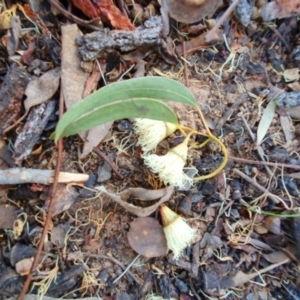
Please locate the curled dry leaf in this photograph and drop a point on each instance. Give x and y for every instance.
(146, 237)
(106, 10)
(142, 195)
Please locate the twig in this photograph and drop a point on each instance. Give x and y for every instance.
(194, 290)
(262, 163)
(211, 34)
(275, 198)
(50, 208)
(68, 15)
(286, 44)
(127, 268)
(117, 263)
(103, 156)
(24, 175)
(185, 65)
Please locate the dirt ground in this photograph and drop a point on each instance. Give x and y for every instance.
(105, 236)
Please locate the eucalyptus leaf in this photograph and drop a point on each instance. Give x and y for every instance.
(129, 108)
(265, 121)
(134, 98)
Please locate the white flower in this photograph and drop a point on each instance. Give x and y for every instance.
(170, 166)
(151, 132)
(178, 233)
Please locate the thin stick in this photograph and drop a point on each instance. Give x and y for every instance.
(262, 163)
(102, 155)
(50, 208)
(275, 198)
(116, 262)
(187, 83)
(226, 14)
(127, 268)
(68, 15)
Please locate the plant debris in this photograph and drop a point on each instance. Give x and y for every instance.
(150, 204)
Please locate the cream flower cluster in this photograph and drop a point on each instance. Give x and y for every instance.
(169, 166)
(152, 132)
(179, 234)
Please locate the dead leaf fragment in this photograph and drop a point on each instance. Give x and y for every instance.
(279, 9)
(273, 224)
(190, 11)
(146, 237)
(42, 88)
(73, 78)
(106, 10)
(11, 95)
(65, 196)
(8, 216)
(290, 75)
(58, 234)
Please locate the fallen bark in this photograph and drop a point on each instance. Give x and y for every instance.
(100, 43)
(11, 94)
(24, 175)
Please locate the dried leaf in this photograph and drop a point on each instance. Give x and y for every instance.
(290, 75)
(276, 257)
(265, 121)
(65, 197)
(20, 251)
(7, 216)
(272, 224)
(106, 10)
(190, 11)
(94, 137)
(73, 78)
(146, 237)
(142, 195)
(13, 35)
(42, 88)
(279, 9)
(58, 234)
(287, 127)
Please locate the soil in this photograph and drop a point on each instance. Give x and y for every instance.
(245, 219)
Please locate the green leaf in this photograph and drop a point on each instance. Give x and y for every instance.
(130, 108)
(265, 121)
(134, 98)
